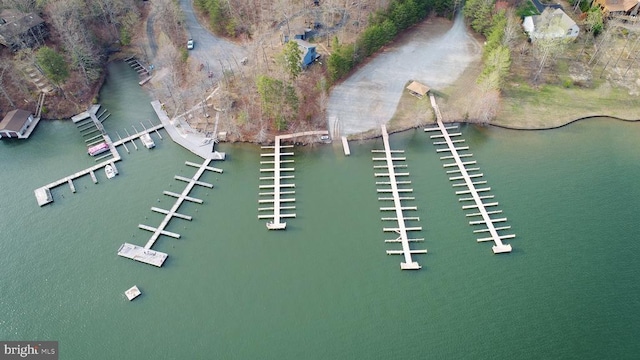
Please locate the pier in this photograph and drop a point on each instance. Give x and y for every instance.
(276, 197)
(395, 191)
(90, 125)
(469, 177)
(181, 133)
(345, 146)
(92, 121)
(142, 253)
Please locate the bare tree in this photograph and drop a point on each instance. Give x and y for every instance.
(512, 30)
(545, 51)
(68, 19)
(4, 66)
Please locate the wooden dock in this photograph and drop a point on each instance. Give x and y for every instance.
(180, 198)
(345, 146)
(275, 197)
(138, 253)
(90, 122)
(469, 177)
(394, 190)
(173, 212)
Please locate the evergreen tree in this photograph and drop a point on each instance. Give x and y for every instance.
(53, 64)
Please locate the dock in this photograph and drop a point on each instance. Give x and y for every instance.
(277, 197)
(391, 161)
(182, 135)
(138, 253)
(173, 211)
(132, 293)
(470, 179)
(90, 125)
(345, 146)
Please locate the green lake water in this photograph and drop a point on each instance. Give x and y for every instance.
(324, 288)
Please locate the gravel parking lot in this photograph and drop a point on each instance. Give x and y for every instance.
(434, 53)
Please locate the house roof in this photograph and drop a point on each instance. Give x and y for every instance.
(551, 23)
(304, 44)
(418, 88)
(16, 22)
(617, 5)
(14, 120)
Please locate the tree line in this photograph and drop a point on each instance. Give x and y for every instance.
(383, 27)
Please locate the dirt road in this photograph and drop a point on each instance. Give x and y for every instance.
(434, 53)
(213, 52)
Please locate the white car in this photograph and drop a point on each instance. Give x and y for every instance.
(190, 44)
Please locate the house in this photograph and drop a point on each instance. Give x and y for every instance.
(418, 90)
(618, 7)
(309, 54)
(17, 124)
(19, 30)
(551, 24)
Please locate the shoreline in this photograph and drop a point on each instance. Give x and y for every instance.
(361, 136)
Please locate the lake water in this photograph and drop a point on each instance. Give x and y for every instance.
(324, 288)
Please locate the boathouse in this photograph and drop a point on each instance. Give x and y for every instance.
(16, 124)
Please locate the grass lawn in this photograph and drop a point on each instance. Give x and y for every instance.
(524, 107)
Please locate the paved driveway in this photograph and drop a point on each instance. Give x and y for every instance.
(213, 52)
(370, 96)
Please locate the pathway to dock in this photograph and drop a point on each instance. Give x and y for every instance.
(182, 134)
(275, 197)
(397, 199)
(135, 254)
(91, 128)
(470, 177)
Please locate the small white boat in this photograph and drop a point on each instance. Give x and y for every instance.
(132, 293)
(110, 171)
(147, 141)
(273, 226)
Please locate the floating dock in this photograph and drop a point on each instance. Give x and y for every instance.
(277, 197)
(470, 177)
(394, 190)
(173, 212)
(138, 253)
(132, 293)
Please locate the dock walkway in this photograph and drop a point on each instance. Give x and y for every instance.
(169, 214)
(402, 229)
(469, 176)
(275, 197)
(181, 133)
(90, 122)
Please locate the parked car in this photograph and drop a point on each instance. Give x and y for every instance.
(190, 44)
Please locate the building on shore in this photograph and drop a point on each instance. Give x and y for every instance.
(551, 24)
(17, 124)
(21, 30)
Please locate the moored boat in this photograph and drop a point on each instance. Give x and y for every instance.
(110, 171)
(98, 149)
(147, 141)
